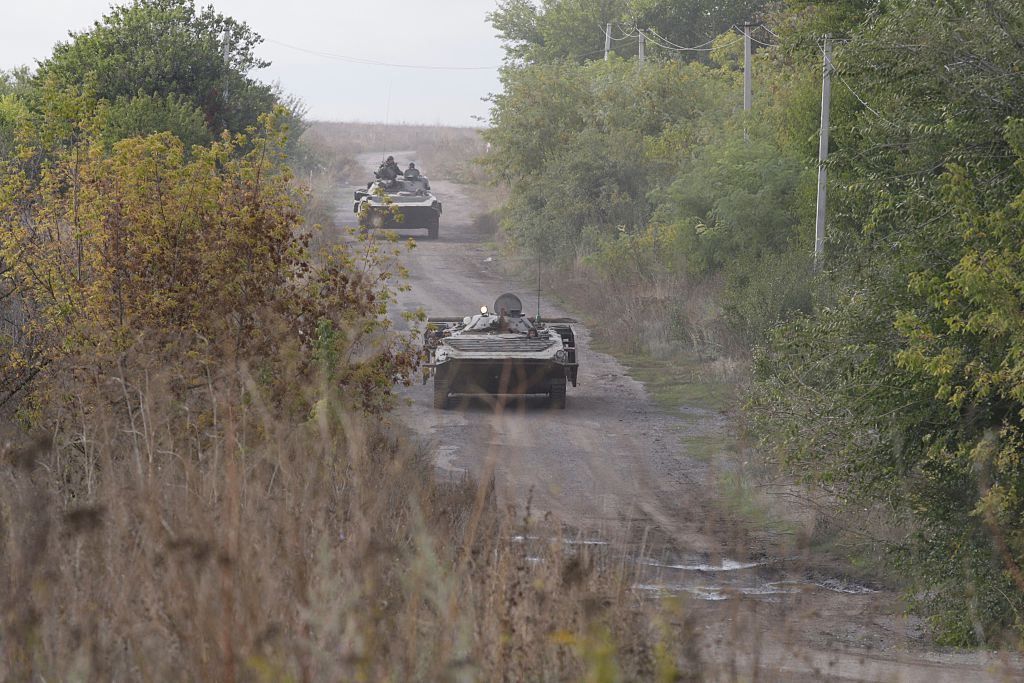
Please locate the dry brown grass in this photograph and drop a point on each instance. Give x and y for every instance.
(150, 537)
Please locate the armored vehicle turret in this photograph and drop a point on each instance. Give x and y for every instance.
(500, 352)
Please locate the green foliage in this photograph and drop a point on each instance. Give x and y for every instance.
(899, 389)
(144, 114)
(653, 175)
(167, 48)
(13, 115)
(17, 81)
(15, 86)
(760, 291)
(692, 22)
(967, 344)
(554, 30)
(583, 147)
(736, 196)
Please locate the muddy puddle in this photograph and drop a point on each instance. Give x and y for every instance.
(698, 576)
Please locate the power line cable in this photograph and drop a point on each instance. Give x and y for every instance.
(693, 49)
(374, 62)
(588, 54)
(679, 47)
(625, 36)
(831, 63)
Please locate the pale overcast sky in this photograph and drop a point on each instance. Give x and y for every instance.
(418, 32)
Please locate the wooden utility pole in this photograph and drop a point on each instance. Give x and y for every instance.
(748, 94)
(607, 40)
(826, 99)
(643, 41)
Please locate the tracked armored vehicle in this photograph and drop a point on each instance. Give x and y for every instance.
(501, 352)
(404, 204)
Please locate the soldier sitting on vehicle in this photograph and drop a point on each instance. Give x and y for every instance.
(389, 170)
(412, 172)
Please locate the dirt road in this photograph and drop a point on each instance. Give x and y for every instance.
(615, 467)
(602, 464)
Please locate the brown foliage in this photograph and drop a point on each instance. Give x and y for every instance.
(105, 250)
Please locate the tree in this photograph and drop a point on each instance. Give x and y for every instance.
(167, 48)
(144, 114)
(556, 29)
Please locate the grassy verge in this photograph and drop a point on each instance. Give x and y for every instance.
(678, 383)
(706, 406)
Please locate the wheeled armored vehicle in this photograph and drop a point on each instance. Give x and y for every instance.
(398, 204)
(501, 352)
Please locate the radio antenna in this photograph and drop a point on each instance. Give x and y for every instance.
(387, 122)
(538, 285)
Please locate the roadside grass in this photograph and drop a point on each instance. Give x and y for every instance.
(216, 539)
(706, 409)
(677, 383)
(745, 501)
(776, 515)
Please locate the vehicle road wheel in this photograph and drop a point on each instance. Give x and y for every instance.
(440, 393)
(433, 229)
(558, 394)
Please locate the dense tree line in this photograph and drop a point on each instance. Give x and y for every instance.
(892, 376)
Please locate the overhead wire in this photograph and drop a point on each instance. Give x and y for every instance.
(605, 32)
(659, 40)
(679, 47)
(830, 61)
(373, 62)
(632, 33)
(691, 49)
(831, 65)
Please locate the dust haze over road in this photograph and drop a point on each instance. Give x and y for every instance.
(613, 467)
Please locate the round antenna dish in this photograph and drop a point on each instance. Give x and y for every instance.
(509, 304)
